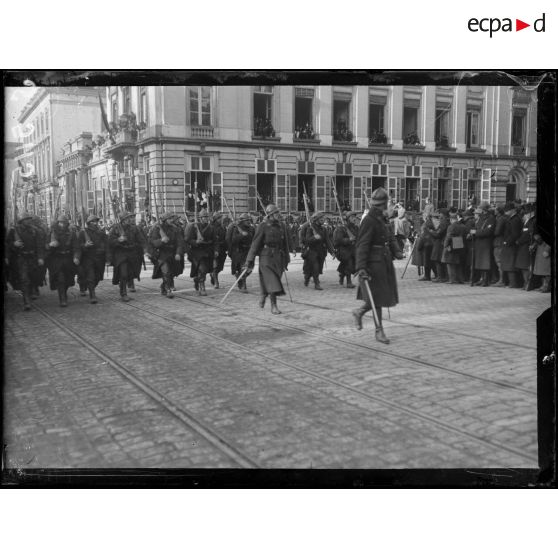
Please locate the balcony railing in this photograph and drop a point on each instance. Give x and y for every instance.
(204, 132)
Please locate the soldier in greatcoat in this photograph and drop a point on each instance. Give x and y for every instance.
(126, 244)
(219, 248)
(375, 249)
(482, 236)
(166, 248)
(39, 274)
(344, 242)
(25, 250)
(199, 238)
(93, 250)
(510, 236)
(271, 244)
(239, 239)
(63, 258)
(315, 247)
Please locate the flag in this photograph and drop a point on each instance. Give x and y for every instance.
(104, 116)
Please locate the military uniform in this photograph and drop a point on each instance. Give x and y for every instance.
(375, 249)
(26, 252)
(199, 241)
(126, 244)
(314, 250)
(344, 242)
(63, 258)
(271, 244)
(239, 239)
(93, 248)
(219, 249)
(166, 248)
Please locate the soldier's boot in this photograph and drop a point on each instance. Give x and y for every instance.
(92, 296)
(82, 290)
(164, 288)
(381, 336)
(513, 280)
(526, 277)
(216, 280)
(63, 296)
(306, 280)
(123, 294)
(26, 301)
(34, 292)
(341, 278)
(131, 286)
(263, 298)
(242, 286)
(202, 288)
(273, 300)
(350, 284)
(317, 285)
(196, 284)
(167, 281)
(485, 279)
(546, 285)
(212, 278)
(357, 315)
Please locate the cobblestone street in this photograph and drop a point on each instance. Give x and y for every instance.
(188, 383)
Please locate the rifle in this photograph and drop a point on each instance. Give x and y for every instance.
(307, 209)
(351, 235)
(234, 210)
(54, 221)
(117, 216)
(231, 215)
(261, 202)
(84, 220)
(366, 198)
(200, 236)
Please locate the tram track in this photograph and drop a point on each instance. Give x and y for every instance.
(186, 418)
(357, 345)
(330, 381)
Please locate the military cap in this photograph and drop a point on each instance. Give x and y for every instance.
(271, 209)
(167, 216)
(63, 219)
(92, 218)
(316, 216)
(509, 206)
(245, 217)
(379, 196)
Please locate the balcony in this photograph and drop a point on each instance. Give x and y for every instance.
(305, 134)
(263, 130)
(202, 132)
(442, 144)
(342, 135)
(412, 141)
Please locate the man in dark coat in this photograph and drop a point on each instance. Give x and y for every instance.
(93, 250)
(424, 247)
(454, 243)
(126, 243)
(239, 239)
(166, 249)
(344, 241)
(500, 218)
(199, 238)
(219, 248)
(438, 235)
(63, 258)
(375, 249)
(315, 248)
(26, 253)
(39, 275)
(511, 234)
(482, 235)
(271, 244)
(524, 259)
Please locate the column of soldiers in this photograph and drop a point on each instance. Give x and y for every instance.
(486, 246)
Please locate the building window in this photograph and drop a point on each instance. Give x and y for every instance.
(200, 106)
(304, 98)
(410, 125)
(126, 100)
(518, 130)
(114, 107)
(473, 127)
(342, 116)
(442, 127)
(143, 107)
(263, 100)
(376, 123)
(46, 120)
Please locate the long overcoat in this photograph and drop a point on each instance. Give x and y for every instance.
(314, 249)
(511, 234)
(438, 235)
(60, 259)
(483, 241)
(200, 251)
(375, 248)
(129, 251)
(452, 255)
(523, 256)
(23, 267)
(162, 252)
(239, 239)
(93, 257)
(272, 246)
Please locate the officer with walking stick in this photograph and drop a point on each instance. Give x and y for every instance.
(375, 249)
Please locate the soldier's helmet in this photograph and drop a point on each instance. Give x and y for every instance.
(63, 219)
(316, 216)
(203, 213)
(244, 217)
(379, 196)
(167, 217)
(271, 209)
(92, 218)
(216, 216)
(24, 216)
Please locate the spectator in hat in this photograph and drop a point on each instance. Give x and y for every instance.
(482, 235)
(523, 259)
(438, 235)
(453, 249)
(512, 231)
(500, 220)
(541, 267)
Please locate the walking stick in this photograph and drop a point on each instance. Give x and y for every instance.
(234, 285)
(367, 284)
(410, 258)
(288, 288)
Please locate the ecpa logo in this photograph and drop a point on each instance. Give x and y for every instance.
(494, 24)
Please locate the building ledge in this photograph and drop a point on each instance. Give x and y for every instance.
(414, 147)
(450, 149)
(265, 139)
(380, 145)
(341, 143)
(308, 141)
(475, 150)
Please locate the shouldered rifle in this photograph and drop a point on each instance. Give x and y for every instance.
(200, 236)
(261, 202)
(307, 209)
(234, 210)
(366, 198)
(349, 232)
(117, 216)
(55, 219)
(84, 222)
(231, 214)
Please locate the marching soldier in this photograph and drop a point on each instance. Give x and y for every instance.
(271, 244)
(199, 239)
(344, 239)
(93, 245)
(166, 245)
(315, 248)
(239, 239)
(63, 258)
(375, 249)
(219, 248)
(126, 243)
(39, 275)
(25, 247)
